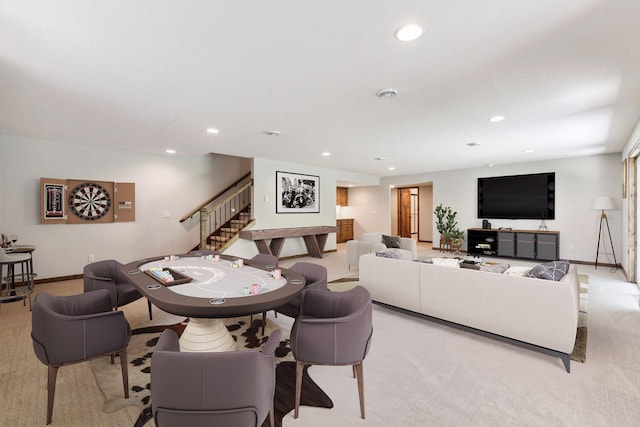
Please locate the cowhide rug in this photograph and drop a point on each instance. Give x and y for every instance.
(248, 336)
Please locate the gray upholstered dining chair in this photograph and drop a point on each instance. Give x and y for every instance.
(107, 275)
(197, 389)
(333, 328)
(265, 259)
(315, 276)
(76, 328)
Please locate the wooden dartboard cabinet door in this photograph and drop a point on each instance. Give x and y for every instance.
(53, 199)
(125, 202)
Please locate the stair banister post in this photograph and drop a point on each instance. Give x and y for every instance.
(204, 216)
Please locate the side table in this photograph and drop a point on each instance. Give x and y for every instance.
(21, 257)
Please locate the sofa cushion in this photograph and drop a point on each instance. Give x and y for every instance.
(552, 270)
(387, 254)
(517, 270)
(494, 268)
(391, 241)
(446, 262)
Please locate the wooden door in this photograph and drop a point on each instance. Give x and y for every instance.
(404, 212)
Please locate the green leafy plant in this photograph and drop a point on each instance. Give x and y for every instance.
(447, 225)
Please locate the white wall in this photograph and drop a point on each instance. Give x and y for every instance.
(163, 184)
(579, 181)
(370, 209)
(425, 199)
(264, 194)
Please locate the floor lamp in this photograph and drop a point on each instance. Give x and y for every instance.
(605, 204)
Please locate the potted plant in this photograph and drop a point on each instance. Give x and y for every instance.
(446, 224)
(441, 213)
(455, 238)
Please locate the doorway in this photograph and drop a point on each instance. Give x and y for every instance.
(412, 216)
(407, 205)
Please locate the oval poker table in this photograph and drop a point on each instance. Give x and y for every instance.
(207, 291)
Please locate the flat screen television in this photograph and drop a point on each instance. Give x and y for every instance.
(517, 196)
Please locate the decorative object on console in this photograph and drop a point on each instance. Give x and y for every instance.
(605, 203)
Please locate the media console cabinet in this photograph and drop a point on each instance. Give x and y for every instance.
(526, 244)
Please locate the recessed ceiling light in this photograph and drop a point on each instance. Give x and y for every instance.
(387, 93)
(212, 130)
(496, 119)
(490, 165)
(273, 132)
(474, 144)
(392, 168)
(170, 151)
(530, 150)
(409, 32)
(326, 154)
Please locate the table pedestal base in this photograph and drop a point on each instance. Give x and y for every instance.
(206, 335)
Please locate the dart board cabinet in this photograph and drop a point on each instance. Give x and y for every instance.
(75, 201)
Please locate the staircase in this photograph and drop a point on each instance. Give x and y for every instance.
(225, 215)
(221, 238)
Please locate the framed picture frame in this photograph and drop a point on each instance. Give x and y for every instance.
(624, 179)
(297, 193)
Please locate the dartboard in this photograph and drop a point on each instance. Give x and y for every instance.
(89, 201)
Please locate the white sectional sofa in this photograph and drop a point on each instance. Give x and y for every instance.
(373, 242)
(537, 313)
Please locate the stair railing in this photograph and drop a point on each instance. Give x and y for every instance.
(217, 222)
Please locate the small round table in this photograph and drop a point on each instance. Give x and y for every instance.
(208, 291)
(23, 257)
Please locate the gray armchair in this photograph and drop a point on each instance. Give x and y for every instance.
(315, 276)
(107, 275)
(265, 259)
(73, 329)
(202, 389)
(333, 328)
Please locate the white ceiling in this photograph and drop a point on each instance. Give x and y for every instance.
(154, 74)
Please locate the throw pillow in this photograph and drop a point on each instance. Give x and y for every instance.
(553, 270)
(387, 254)
(391, 241)
(517, 271)
(446, 262)
(495, 268)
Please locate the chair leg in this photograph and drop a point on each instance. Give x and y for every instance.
(299, 368)
(51, 390)
(359, 374)
(264, 321)
(125, 372)
(150, 314)
(272, 418)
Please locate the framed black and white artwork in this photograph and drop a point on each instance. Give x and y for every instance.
(297, 193)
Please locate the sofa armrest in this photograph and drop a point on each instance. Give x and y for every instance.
(410, 245)
(356, 248)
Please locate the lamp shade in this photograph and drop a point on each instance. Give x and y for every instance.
(604, 203)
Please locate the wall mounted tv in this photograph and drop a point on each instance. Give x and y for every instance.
(517, 196)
